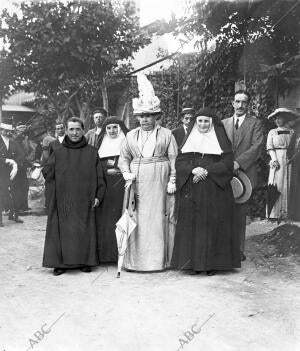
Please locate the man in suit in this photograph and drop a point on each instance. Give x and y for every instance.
(60, 135)
(10, 156)
(186, 115)
(99, 115)
(246, 135)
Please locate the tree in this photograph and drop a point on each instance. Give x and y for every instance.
(66, 51)
(252, 42)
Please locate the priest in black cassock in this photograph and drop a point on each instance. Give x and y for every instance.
(76, 184)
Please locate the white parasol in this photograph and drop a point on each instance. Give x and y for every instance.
(124, 227)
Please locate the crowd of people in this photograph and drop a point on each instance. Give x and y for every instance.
(186, 189)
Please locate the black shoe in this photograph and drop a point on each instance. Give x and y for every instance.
(243, 257)
(211, 273)
(58, 271)
(1, 225)
(86, 269)
(194, 272)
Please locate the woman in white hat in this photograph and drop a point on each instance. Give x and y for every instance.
(147, 160)
(279, 174)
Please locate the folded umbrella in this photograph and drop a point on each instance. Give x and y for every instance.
(124, 227)
(272, 195)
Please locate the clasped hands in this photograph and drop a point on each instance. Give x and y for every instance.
(199, 174)
(14, 168)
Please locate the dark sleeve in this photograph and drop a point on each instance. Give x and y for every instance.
(38, 152)
(221, 172)
(292, 145)
(249, 157)
(183, 170)
(51, 149)
(101, 180)
(49, 168)
(19, 155)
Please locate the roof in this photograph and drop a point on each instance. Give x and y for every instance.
(17, 108)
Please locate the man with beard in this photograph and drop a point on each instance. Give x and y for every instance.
(76, 184)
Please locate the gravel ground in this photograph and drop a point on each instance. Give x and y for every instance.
(255, 308)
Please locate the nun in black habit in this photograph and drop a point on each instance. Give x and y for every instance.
(110, 139)
(205, 240)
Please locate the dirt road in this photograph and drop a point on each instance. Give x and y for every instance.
(255, 308)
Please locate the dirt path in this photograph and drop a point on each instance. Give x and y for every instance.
(251, 309)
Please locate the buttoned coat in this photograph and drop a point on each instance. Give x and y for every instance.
(247, 143)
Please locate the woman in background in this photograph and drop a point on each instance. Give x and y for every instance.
(205, 239)
(110, 139)
(280, 172)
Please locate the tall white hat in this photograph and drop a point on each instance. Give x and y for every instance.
(147, 102)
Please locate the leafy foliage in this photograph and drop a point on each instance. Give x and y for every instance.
(66, 51)
(249, 44)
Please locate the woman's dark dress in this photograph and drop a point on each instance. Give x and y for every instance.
(110, 212)
(293, 154)
(204, 238)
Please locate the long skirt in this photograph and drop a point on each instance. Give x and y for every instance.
(205, 239)
(281, 178)
(107, 216)
(148, 247)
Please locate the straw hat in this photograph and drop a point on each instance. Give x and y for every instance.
(6, 126)
(285, 113)
(186, 110)
(241, 187)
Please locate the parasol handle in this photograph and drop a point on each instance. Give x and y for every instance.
(127, 197)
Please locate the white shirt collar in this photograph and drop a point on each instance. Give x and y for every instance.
(241, 119)
(61, 138)
(98, 130)
(6, 141)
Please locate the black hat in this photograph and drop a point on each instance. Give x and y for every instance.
(100, 110)
(187, 110)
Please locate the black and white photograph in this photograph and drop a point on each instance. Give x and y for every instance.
(150, 175)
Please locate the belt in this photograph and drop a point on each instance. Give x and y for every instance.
(139, 160)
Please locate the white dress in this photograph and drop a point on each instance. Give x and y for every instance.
(277, 143)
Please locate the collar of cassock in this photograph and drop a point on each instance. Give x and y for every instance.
(70, 144)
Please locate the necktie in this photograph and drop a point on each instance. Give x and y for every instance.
(237, 124)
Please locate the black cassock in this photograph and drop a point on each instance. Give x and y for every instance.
(74, 178)
(205, 238)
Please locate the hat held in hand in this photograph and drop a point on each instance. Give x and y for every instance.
(241, 187)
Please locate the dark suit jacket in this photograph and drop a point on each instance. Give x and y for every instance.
(179, 134)
(247, 147)
(53, 146)
(15, 153)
